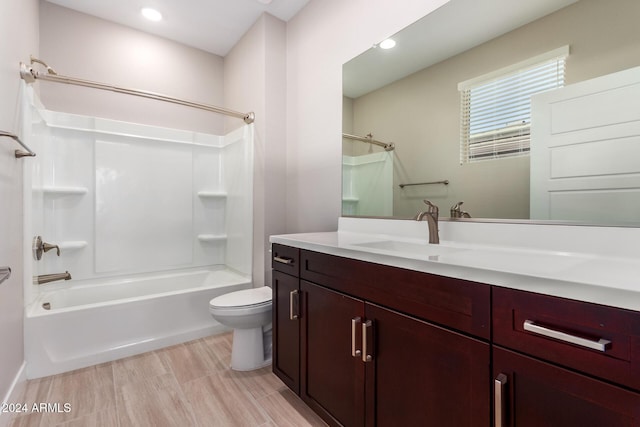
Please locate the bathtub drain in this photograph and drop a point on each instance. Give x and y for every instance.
(46, 306)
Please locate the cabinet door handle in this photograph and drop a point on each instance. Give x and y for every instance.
(367, 335)
(283, 260)
(600, 345)
(355, 352)
(293, 295)
(499, 408)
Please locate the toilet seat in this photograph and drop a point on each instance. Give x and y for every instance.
(247, 298)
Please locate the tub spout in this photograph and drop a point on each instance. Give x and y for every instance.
(46, 278)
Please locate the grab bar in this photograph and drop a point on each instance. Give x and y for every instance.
(46, 278)
(445, 182)
(18, 153)
(5, 273)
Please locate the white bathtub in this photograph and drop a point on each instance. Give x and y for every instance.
(95, 323)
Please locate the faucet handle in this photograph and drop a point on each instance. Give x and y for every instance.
(39, 247)
(433, 209)
(456, 211)
(48, 246)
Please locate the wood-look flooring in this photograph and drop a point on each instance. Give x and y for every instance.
(188, 384)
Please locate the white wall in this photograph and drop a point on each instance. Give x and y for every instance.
(255, 79)
(323, 36)
(83, 46)
(18, 39)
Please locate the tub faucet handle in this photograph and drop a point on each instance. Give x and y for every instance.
(48, 246)
(40, 247)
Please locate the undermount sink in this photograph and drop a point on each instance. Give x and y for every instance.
(407, 248)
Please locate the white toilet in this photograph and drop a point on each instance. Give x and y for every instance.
(248, 312)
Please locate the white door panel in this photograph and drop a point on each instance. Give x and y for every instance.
(585, 151)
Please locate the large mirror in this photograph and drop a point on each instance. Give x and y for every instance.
(410, 95)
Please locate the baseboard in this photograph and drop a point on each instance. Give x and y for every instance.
(13, 394)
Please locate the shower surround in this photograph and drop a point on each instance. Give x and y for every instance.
(151, 224)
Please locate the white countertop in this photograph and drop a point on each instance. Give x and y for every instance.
(597, 278)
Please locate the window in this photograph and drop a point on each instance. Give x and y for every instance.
(496, 108)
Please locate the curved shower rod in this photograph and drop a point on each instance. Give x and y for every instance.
(28, 74)
(369, 138)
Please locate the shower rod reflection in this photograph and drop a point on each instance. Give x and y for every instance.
(28, 74)
(369, 138)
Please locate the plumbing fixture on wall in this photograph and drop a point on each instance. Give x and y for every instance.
(40, 246)
(5, 273)
(46, 278)
(18, 153)
(29, 75)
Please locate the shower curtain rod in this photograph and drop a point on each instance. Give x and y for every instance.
(28, 74)
(369, 138)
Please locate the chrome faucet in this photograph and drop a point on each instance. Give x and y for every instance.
(457, 212)
(431, 215)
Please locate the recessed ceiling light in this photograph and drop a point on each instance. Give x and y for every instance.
(265, 1)
(151, 14)
(387, 44)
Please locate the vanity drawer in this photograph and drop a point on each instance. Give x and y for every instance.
(598, 340)
(453, 303)
(285, 259)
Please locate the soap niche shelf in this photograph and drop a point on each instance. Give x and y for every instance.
(211, 238)
(212, 194)
(64, 191)
(72, 245)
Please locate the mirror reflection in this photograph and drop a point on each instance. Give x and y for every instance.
(413, 95)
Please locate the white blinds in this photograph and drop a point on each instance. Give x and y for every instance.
(496, 109)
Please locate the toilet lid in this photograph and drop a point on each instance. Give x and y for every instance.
(244, 298)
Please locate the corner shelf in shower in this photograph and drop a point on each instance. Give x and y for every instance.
(212, 194)
(210, 238)
(64, 191)
(72, 245)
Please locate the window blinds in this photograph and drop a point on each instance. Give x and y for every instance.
(496, 108)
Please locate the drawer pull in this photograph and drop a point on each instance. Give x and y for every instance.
(283, 260)
(367, 336)
(293, 295)
(499, 405)
(600, 345)
(355, 352)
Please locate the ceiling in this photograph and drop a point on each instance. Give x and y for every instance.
(457, 26)
(211, 25)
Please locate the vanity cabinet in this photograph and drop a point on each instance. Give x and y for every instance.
(286, 326)
(559, 362)
(383, 346)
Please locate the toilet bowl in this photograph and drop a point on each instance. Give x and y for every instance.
(248, 312)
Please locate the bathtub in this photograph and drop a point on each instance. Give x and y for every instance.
(90, 323)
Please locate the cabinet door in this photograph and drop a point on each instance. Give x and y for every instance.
(424, 375)
(529, 392)
(286, 330)
(332, 377)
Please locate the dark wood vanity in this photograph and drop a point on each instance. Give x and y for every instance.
(375, 345)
